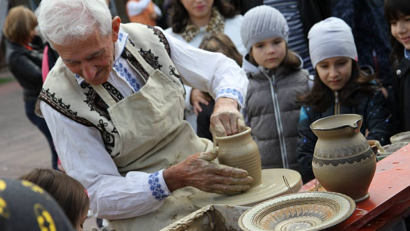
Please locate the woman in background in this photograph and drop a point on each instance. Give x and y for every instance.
(191, 20)
(24, 58)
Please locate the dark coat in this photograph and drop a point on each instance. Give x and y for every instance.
(376, 119)
(25, 65)
(402, 97)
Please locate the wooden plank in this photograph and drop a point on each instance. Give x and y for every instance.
(390, 185)
(390, 218)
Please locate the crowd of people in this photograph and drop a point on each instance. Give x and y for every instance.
(132, 109)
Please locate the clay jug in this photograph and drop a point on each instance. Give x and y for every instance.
(241, 151)
(343, 160)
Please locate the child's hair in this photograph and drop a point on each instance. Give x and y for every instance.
(20, 21)
(221, 43)
(393, 11)
(67, 191)
(321, 98)
(265, 22)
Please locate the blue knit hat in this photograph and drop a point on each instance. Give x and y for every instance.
(263, 22)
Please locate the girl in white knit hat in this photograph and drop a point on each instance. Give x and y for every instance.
(277, 79)
(339, 88)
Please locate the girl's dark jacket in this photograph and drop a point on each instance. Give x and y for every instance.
(376, 119)
(25, 65)
(402, 91)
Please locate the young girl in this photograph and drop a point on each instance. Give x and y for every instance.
(397, 13)
(218, 42)
(271, 109)
(67, 191)
(339, 88)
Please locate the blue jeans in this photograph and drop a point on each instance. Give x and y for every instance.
(42, 126)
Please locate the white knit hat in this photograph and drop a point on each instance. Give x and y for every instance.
(263, 22)
(330, 38)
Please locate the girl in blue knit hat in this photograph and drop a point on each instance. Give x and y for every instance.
(275, 81)
(339, 88)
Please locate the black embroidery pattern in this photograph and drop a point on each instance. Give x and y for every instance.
(126, 54)
(150, 58)
(162, 39)
(60, 106)
(113, 91)
(95, 102)
(108, 138)
(172, 71)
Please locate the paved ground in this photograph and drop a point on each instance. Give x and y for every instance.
(22, 146)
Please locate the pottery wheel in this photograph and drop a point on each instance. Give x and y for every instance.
(272, 186)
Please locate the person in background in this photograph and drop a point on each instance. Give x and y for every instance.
(143, 11)
(26, 206)
(270, 108)
(191, 20)
(67, 191)
(215, 43)
(370, 32)
(339, 88)
(24, 59)
(397, 13)
(301, 15)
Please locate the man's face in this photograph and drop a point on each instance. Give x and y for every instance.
(92, 58)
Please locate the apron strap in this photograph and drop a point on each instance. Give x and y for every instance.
(130, 48)
(130, 52)
(103, 93)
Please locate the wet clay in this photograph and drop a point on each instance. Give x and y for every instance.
(241, 151)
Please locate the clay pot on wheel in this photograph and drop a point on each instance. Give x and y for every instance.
(343, 160)
(241, 151)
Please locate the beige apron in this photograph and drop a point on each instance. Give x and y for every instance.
(154, 136)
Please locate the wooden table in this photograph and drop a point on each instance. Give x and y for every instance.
(389, 200)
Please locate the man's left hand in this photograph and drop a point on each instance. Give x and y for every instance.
(226, 119)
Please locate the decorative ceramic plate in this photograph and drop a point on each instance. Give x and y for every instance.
(300, 211)
(272, 185)
(400, 137)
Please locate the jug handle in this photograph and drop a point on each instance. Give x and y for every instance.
(376, 143)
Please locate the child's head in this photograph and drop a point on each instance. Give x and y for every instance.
(221, 43)
(333, 52)
(264, 33)
(397, 13)
(67, 191)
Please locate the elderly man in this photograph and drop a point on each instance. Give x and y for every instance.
(114, 104)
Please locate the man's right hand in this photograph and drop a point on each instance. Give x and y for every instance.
(197, 171)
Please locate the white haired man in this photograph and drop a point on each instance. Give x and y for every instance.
(114, 104)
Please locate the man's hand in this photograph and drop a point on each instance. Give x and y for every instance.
(197, 171)
(198, 97)
(226, 119)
